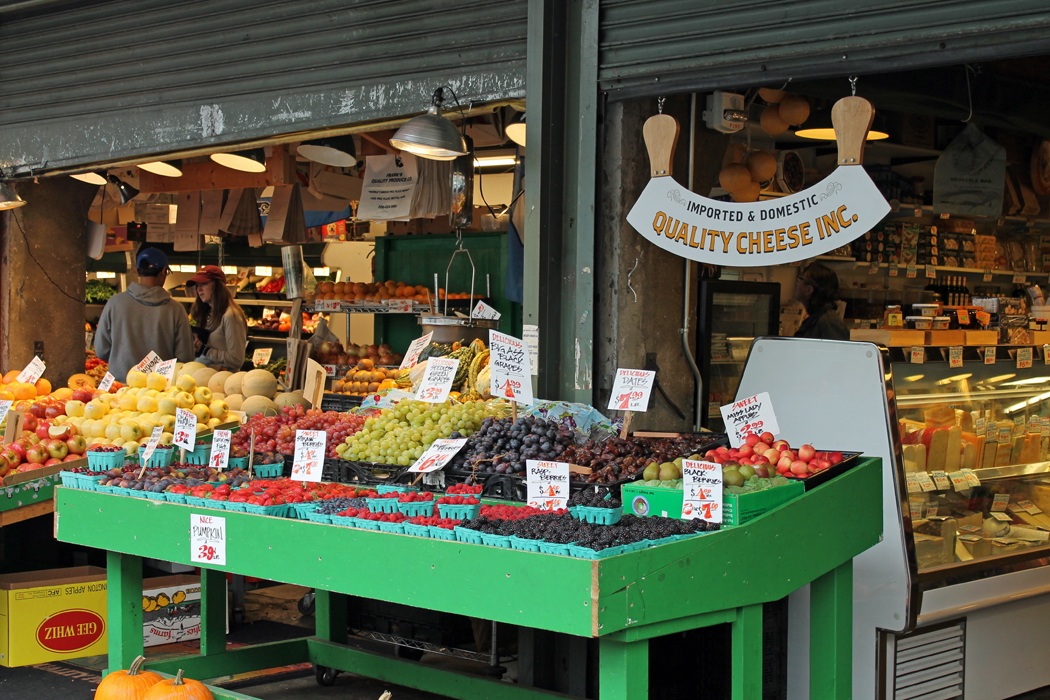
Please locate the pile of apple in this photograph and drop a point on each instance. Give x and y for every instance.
(765, 454)
(335, 354)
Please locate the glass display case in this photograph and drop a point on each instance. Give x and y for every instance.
(731, 315)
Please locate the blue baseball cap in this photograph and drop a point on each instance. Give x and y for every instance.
(151, 262)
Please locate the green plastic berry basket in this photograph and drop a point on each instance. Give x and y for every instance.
(364, 523)
(199, 454)
(268, 471)
(162, 496)
(635, 546)
(315, 517)
(69, 479)
(235, 506)
(161, 457)
(417, 530)
(277, 511)
(237, 463)
(597, 516)
(382, 505)
(395, 488)
(301, 510)
(104, 489)
(104, 461)
(442, 533)
(501, 541)
(89, 482)
(343, 521)
(554, 548)
(524, 545)
(459, 512)
(588, 553)
(216, 504)
(466, 535)
(416, 508)
(119, 491)
(396, 528)
(176, 497)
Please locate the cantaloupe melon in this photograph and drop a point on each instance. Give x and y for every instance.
(291, 398)
(217, 383)
(234, 401)
(233, 383)
(204, 375)
(259, 382)
(218, 396)
(259, 404)
(189, 368)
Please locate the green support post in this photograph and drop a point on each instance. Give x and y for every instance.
(746, 632)
(623, 669)
(831, 634)
(213, 612)
(330, 614)
(124, 609)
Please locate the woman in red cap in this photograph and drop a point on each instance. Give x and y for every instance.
(215, 310)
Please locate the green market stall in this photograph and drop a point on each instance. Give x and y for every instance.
(623, 601)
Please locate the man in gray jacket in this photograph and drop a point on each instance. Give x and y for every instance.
(143, 318)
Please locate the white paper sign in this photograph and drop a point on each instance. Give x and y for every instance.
(32, 372)
(207, 539)
(531, 335)
(308, 461)
(941, 480)
(631, 390)
(815, 221)
(511, 376)
(925, 482)
(437, 380)
(261, 356)
(955, 357)
(1029, 507)
(484, 311)
(702, 491)
(106, 383)
(1000, 501)
(753, 415)
(5, 406)
(918, 355)
(185, 428)
(547, 484)
(166, 369)
(148, 363)
(989, 356)
(438, 455)
(151, 446)
(411, 357)
(328, 305)
(220, 449)
(389, 183)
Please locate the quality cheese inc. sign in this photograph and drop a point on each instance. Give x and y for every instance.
(815, 221)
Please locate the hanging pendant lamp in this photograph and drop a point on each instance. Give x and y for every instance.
(127, 192)
(515, 129)
(166, 168)
(819, 128)
(431, 135)
(92, 178)
(337, 151)
(252, 160)
(8, 198)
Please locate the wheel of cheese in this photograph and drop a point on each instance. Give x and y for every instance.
(772, 123)
(770, 95)
(735, 178)
(750, 195)
(762, 166)
(794, 109)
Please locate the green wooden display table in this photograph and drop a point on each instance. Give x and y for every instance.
(623, 601)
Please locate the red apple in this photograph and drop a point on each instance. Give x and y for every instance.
(836, 457)
(784, 464)
(57, 449)
(72, 457)
(32, 439)
(55, 410)
(52, 462)
(83, 395)
(37, 454)
(19, 448)
(745, 451)
(41, 429)
(5, 466)
(822, 464)
(767, 437)
(799, 468)
(29, 422)
(759, 459)
(62, 432)
(746, 460)
(710, 455)
(37, 409)
(760, 448)
(806, 453)
(752, 440)
(77, 444)
(723, 450)
(781, 445)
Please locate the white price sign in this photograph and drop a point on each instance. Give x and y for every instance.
(437, 380)
(1000, 501)
(207, 539)
(167, 370)
(438, 455)
(33, 371)
(971, 477)
(5, 406)
(328, 305)
(148, 363)
(486, 312)
(925, 482)
(547, 484)
(750, 416)
(106, 383)
(941, 480)
(411, 357)
(220, 449)
(185, 428)
(308, 461)
(261, 357)
(511, 375)
(702, 495)
(531, 335)
(1029, 507)
(989, 356)
(631, 390)
(1024, 358)
(955, 357)
(151, 446)
(918, 355)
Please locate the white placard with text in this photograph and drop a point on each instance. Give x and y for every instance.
(486, 312)
(185, 428)
(511, 375)
(261, 357)
(107, 382)
(167, 370)
(437, 380)
(753, 415)
(547, 484)
(220, 449)
(32, 372)
(631, 389)
(438, 455)
(411, 357)
(148, 363)
(151, 446)
(702, 495)
(308, 461)
(207, 539)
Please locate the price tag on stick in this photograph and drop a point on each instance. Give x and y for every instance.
(150, 448)
(261, 357)
(749, 416)
(412, 354)
(5, 406)
(437, 380)
(438, 455)
(989, 356)
(207, 539)
(1024, 358)
(166, 369)
(220, 449)
(185, 429)
(148, 363)
(631, 390)
(107, 382)
(33, 371)
(511, 374)
(702, 491)
(484, 311)
(308, 461)
(547, 484)
(955, 357)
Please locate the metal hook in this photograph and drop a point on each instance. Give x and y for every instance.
(853, 85)
(629, 280)
(969, 94)
(660, 105)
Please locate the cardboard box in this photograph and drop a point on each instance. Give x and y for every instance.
(941, 338)
(171, 609)
(651, 500)
(889, 338)
(33, 486)
(52, 615)
(736, 510)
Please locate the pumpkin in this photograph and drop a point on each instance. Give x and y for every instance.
(177, 688)
(132, 684)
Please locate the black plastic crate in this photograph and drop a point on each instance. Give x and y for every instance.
(347, 472)
(339, 402)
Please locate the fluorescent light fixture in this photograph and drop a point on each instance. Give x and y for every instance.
(190, 268)
(105, 275)
(1033, 380)
(229, 269)
(431, 135)
(492, 161)
(324, 272)
(8, 199)
(90, 178)
(166, 168)
(252, 160)
(264, 271)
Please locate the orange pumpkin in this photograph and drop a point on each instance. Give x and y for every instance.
(177, 688)
(132, 684)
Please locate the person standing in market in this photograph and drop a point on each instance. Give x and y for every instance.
(144, 318)
(224, 334)
(818, 288)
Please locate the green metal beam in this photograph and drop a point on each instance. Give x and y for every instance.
(241, 660)
(123, 608)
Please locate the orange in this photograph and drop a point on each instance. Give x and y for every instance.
(22, 390)
(43, 387)
(63, 393)
(6, 395)
(11, 376)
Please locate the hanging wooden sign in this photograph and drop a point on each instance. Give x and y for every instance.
(828, 215)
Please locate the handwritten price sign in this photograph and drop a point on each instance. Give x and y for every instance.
(437, 380)
(308, 461)
(328, 305)
(33, 371)
(484, 311)
(185, 428)
(547, 484)
(220, 449)
(148, 363)
(749, 416)
(5, 406)
(631, 390)
(412, 355)
(702, 497)
(151, 446)
(439, 454)
(511, 374)
(207, 539)
(107, 382)
(261, 357)
(166, 369)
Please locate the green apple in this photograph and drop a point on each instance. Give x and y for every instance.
(202, 394)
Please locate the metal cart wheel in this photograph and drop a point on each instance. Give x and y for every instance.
(326, 676)
(306, 604)
(409, 653)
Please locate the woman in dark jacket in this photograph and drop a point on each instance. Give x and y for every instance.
(817, 288)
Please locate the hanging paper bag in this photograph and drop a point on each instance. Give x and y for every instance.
(390, 182)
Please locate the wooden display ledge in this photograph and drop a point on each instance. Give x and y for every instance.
(33, 510)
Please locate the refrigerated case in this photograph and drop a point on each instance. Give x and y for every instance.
(730, 315)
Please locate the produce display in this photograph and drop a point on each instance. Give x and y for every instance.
(471, 375)
(763, 455)
(561, 528)
(97, 292)
(276, 433)
(271, 285)
(596, 498)
(94, 367)
(379, 291)
(502, 446)
(328, 353)
(618, 459)
(366, 379)
(179, 477)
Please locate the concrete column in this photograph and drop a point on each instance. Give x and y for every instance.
(43, 253)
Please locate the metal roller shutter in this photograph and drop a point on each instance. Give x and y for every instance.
(652, 47)
(112, 79)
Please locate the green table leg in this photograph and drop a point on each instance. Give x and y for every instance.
(213, 612)
(124, 608)
(330, 615)
(623, 670)
(831, 635)
(746, 633)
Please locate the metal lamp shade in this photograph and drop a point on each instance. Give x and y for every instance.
(515, 129)
(819, 128)
(165, 168)
(252, 160)
(8, 198)
(127, 192)
(92, 178)
(337, 151)
(430, 136)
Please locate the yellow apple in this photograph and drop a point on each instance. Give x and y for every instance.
(146, 404)
(166, 405)
(84, 426)
(202, 394)
(202, 412)
(97, 441)
(156, 381)
(166, 438)
(98, 430)
(112, 431)
(168, 423)
(184, 399)
(74, 408)
(94, 410)
(201, 427)
(131, 446)
(119, 442)
(186, 383)
(127, 402)
(136, 378)
(212, 422)
(134, 414)
(59, 420)
(148, 423)
(152, 393)
(219, 409)
(131, 432)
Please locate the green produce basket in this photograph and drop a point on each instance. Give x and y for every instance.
(501, 541)
(301, 510)
(161, 457)
(319, 517)
(104, 489)
(599, 516)
(237, 463)
(554, 548)
(739, 509)
(237, 507)
(588, 553)
(104, 461)
(459, 512)
(382, 505)
(395, 488)
(442, 533)
(364, 523)
(199, 454)
(416, 508)
(162, 496)
(176, 497)
(397, 528)
(89, 482)
(69, 479)
(523, 544)
(268, 471)
(343, 520)
(275, 511)
(466, 535)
